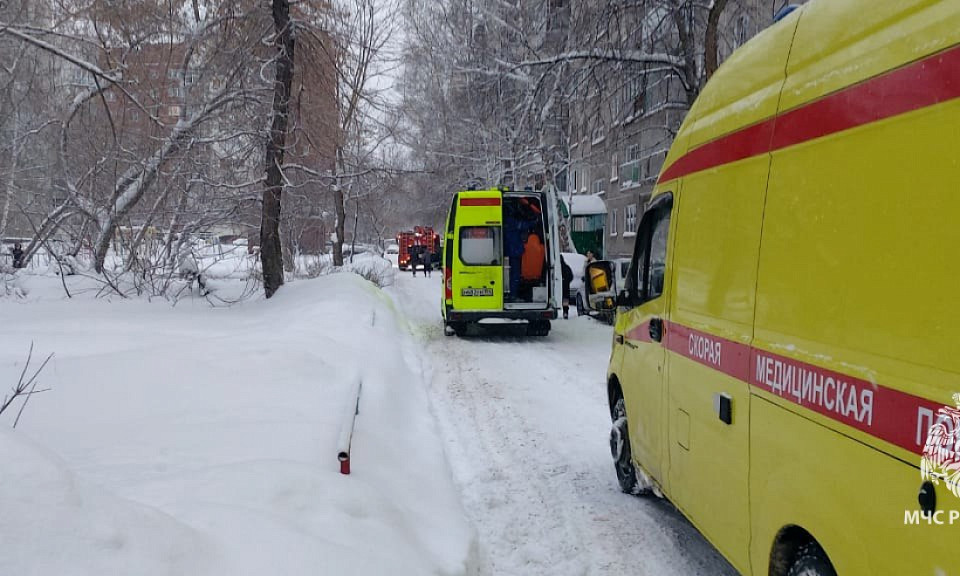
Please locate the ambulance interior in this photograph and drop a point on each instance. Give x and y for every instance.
(526, 264)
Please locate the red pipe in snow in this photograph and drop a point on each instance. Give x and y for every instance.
(346, 427)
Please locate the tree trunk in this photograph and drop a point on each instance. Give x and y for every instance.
(271, 256)
(341, 212)
(356, 225)
(9, 189)
(711, 57)
(683, 18)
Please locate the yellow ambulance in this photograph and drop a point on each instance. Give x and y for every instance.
(789, 332)
(501, 260)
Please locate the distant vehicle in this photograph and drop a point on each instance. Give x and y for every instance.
(424, 239)
(786, 342)
(392, 254)
(501, 259)
(620, 267)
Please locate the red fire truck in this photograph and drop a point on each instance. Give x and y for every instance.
(422, 240)
(404, 241)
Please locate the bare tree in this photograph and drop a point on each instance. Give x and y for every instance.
(270, 252)
(365, 28)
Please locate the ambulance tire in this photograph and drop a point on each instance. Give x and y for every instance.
(458, 328)
(811, 560)
(538, 328)
(620, 447)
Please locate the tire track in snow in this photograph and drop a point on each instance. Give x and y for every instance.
(528, 450)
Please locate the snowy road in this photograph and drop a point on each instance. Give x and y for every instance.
(525, 423)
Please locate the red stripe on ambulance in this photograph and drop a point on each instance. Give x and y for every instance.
(479, 201)
(891, 415)
(639, 333)
(924, 83)
(731, 358)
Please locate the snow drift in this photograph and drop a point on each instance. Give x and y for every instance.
(197, 440)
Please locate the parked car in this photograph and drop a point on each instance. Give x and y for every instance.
(392, 254)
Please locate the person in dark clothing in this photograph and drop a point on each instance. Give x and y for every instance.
(427, 262)
(567, 274)
(17, 255)
(414, 259)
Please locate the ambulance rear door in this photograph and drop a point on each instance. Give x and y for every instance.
(478, 251)
(555, 276)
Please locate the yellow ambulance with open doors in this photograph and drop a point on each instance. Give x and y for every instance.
(501, 260)
(787, 345)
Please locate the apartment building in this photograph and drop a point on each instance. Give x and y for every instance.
(624, 115)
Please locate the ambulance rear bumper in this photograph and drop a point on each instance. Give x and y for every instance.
(477, 315)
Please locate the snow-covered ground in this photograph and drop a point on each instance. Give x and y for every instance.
(193, 439)
(200, 440)
(525, 424)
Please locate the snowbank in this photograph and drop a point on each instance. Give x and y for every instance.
(196, 440)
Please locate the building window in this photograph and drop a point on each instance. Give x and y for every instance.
(614, 168)
(615, 108)
(598, 134)
(630, 220)
(655, 92)
(598, 186)
(741, 30)
(555, 16)
(173, 111)
(614, 216)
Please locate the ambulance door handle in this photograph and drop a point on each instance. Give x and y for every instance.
(656, 329)
(492, 282)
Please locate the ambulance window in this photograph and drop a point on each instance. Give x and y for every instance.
(648, 268)
(480, 245)
(658, 256)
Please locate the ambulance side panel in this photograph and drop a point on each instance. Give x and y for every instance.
(715, 266)
(446, 295)
(857, 287)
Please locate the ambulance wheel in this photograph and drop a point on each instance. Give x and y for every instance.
(620, 447)
(811, 560)
(538, 328)
(458, 328)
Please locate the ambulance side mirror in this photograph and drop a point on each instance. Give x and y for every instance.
(601, 291)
